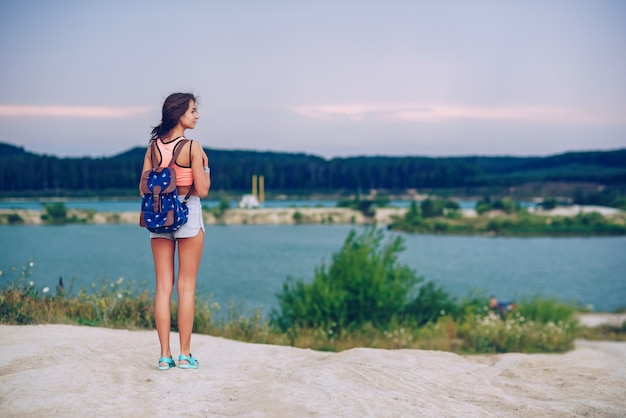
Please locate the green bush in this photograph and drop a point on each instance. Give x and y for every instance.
(482, 207)
(11, 219)
(363, 284)
(413, 221)
(55, 213)
(506, 204)
(365, 206)
(431, 208)
(414, 213)
(221, 209)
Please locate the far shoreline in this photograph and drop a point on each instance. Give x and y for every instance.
(305, 215)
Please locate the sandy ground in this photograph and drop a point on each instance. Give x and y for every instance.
(62, 370)
(574, 210)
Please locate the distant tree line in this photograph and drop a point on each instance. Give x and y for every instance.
(25, 172)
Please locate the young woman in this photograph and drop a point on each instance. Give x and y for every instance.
(192, 176)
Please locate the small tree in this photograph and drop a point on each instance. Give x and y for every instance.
(381, 200)
(413, 214)
(429, 208)
(222, 207)
(55, 213)
(224, 204)
(483, 205)
(506, 204)
(438, 207)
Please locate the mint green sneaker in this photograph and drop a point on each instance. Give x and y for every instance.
(169, 361)
(193, 363)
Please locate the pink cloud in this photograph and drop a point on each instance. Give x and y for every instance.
(72, 111)
(434, 113)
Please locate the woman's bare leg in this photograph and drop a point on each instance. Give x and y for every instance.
(189, 256)
(163, 253)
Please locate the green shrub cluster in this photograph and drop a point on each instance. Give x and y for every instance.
(431, 216)
(57, 213)
(221, 208)
(363, 284)
(11, 219)
(431, 208)
(506, 205)
(366, 206)
(582, 224)
(516, 223)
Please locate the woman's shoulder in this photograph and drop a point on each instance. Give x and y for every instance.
(195, 145)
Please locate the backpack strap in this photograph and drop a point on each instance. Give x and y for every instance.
(153, 150)
(191, 187)
(177, 150)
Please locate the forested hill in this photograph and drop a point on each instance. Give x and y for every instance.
(23, 172)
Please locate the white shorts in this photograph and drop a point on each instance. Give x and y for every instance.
(194, 223)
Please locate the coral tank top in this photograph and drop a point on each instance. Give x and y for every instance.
(184, 176)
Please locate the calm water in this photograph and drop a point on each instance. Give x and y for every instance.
(250, 263)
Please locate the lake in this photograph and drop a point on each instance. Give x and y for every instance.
(248, 264)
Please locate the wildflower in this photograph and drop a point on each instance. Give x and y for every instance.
(31, 264)
(120, 281)
(119, 296)
(442, 312)
(45, 289)
(31, 283)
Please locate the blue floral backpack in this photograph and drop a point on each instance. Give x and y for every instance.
(161, 211)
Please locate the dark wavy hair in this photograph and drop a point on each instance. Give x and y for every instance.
(174, 108)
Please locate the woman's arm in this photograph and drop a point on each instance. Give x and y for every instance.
(201, 177)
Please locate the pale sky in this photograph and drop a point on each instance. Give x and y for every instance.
(325, 77)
